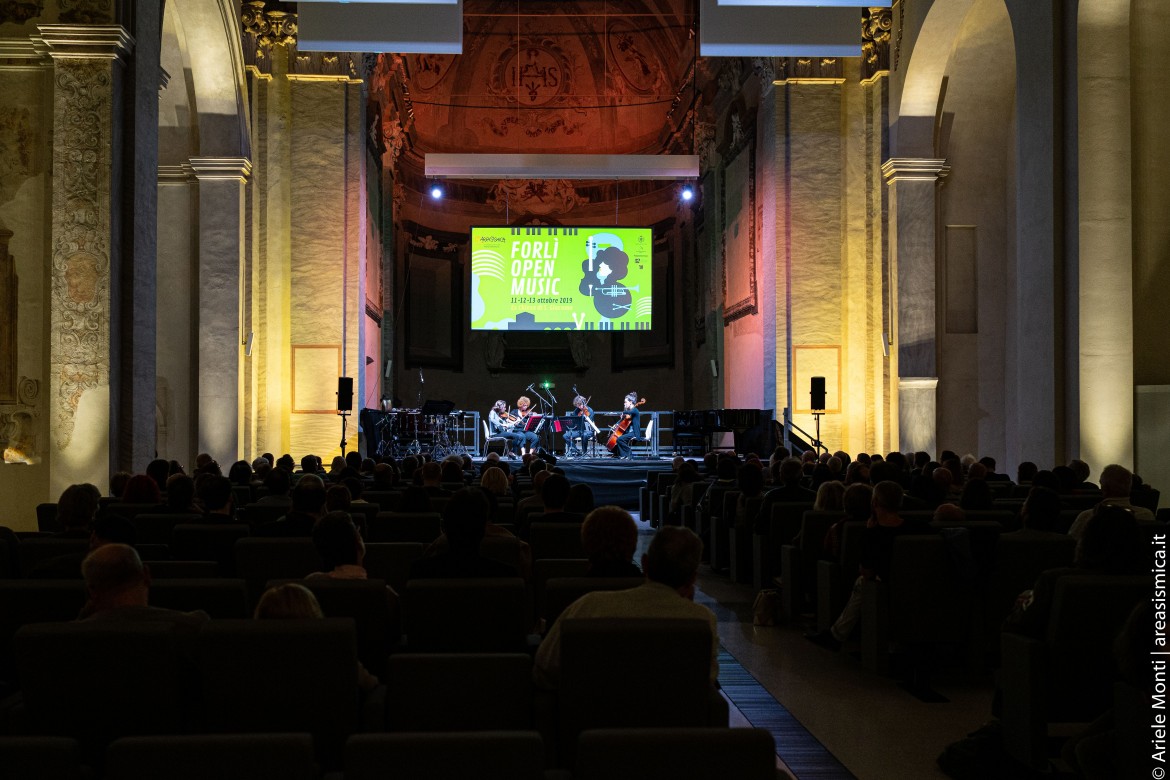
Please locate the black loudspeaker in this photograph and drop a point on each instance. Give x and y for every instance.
(817, 391)
(344, 393)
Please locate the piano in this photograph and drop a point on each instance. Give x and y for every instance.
(751, 429)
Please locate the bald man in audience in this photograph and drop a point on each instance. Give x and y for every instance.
(670, 565)
(118, 585)
(1116, 485)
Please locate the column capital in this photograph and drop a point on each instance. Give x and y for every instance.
(918, 382)
(914, 169)
(100, 41)
(206, 168)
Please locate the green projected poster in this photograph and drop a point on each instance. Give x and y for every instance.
(560, 278)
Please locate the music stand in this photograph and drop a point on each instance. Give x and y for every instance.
(437, 407)
(533, 423)
(574, 424)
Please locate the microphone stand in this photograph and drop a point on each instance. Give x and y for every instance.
(546, 409)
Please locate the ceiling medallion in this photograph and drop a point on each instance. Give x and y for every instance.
(531, 73)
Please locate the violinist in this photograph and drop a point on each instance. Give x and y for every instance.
(632, 420)
(502, 424)
(523, 409)
(581, 409)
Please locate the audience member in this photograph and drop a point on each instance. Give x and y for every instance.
(118, 586)
(465, 520)
(609, 537)
(308, 506)
(76, 508)
(291, 601)
(670, 567)
(1116, 485)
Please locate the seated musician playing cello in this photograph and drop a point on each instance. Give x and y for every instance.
(628, 428)
(582, 409)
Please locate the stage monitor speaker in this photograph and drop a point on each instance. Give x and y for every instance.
(344, 393)
(817, 391)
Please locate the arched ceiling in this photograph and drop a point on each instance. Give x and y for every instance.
(585, 76)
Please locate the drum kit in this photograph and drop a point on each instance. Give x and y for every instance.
(402, 432)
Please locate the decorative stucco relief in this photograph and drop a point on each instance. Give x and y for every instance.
(20, 11)
(80, 264)
(536, 196)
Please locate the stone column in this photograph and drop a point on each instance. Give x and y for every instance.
(913, 223)
(1032, 429)
(87, 66)
(1106, 234)
(220, 342)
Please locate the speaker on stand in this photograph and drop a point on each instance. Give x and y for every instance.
(344, 404)
(817, 404)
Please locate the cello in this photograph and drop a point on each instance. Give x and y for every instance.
(619, 430)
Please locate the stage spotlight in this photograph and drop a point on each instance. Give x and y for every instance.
(687, 193)
(436, 191)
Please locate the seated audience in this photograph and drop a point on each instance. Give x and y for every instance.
(1040, 515)
(214, 494)
(465, 520)
(609, 537)
(308, 506)
(291, 601)
(118, 586)
(554, 493)
(1116, 485)
(76, 509)
(580, 499)
(671, 565)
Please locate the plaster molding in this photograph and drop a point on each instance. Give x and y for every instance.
(917, 382)
(208, 168)
(75, 41)
(174, 174)
(914, 169)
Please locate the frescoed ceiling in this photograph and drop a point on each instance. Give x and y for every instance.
(581, 76)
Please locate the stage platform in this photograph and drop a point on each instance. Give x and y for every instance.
(613, 481)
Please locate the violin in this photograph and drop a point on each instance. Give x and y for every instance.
(619, 430)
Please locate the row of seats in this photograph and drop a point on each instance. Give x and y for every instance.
(603, 754)
(97, 682)
(235, 550)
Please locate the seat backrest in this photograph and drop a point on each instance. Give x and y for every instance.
(929, 601)
(1087, 613)
(222, 756)
(560, 592)
(260, 559)
(505, 549)
(208, 542)
(34, 601)
(486, 615)
(555, 540)
(814, 525)
(219, 597)
(41, 548)
(600, 688)
(376, 619)
(45, 758)
(459, 692)
(280, 676)
(786, 520)
(1018, 562)
(422, 527)
(47, 518)
(100, 680)
(390, 561)
(155, 528)
(680, 754)
(497, 755)
(183, 570)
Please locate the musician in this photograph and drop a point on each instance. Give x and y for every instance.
(581, 409)
(502, 424)
(625, 442)
(523, 409)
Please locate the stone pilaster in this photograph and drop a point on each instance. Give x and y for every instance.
(913, 219)
(220, 340)
(87, 64)
(1106, 234)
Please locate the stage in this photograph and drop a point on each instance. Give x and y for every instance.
(613, 481)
